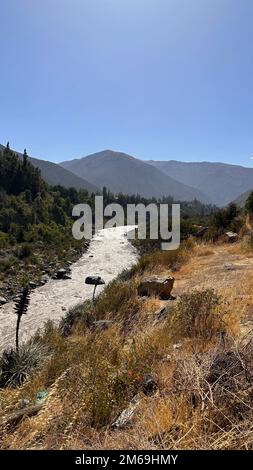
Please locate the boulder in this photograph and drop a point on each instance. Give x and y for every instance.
(32, 285)
(45, 278)
(94, 280)
(61, 273)
(67, 276)
(231, 237)
(157, 286)
(2, 301)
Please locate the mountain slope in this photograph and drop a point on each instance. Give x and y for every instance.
(54, 174)
(221, 182)
(122, 173)
(241, 200)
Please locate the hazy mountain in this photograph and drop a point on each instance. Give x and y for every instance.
(54, 174)
(241, 200)
(221, 182)
(122, 173)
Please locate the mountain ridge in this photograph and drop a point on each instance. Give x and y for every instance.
(55, 175)
(124, 173)
(221, 182)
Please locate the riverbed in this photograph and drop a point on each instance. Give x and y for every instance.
(108, 255)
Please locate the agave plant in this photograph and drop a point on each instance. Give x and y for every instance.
(21, 306)
(17, 366)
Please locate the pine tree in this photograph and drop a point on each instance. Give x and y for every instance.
(25, 158)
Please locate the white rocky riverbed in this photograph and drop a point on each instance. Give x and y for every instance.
(109, 253)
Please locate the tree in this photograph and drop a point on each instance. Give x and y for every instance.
(249, 204)
(25, 159)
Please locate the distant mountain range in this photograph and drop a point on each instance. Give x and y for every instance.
(221, 182)
(215, 183)
(122, 173)
(54, 174)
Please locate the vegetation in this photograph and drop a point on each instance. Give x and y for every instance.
(95, 362)
(16, 366)
(21, 306)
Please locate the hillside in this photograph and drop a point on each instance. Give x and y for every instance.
(152, 374)
(54, 174)
(241, 200)
(222, 183)
(122, 173)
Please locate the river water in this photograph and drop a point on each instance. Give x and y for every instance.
(109, 253)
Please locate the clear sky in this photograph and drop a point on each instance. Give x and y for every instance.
(160, 79)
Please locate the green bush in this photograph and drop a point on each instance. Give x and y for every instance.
(3, 240)
(24, 251)
(17, 367)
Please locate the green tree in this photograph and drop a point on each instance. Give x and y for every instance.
(249, 204)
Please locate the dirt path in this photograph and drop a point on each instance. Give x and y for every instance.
(220, 267)
(109, 253)
(226, 269)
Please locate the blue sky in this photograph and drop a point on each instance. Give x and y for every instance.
(161, 79)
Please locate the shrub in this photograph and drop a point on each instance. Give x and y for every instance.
(3, 240)
(82, 314)
(17, 366)
(24, 251)
(114, 297)
(197, 315)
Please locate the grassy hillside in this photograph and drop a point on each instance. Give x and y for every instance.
(184, 372)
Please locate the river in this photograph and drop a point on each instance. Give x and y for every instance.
(109, 253)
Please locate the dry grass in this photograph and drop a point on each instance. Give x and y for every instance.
(205, 396)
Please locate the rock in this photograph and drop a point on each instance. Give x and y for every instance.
(45, 278)
(90, 256)
(67, 276)
(32, 284)
(94, 280)
(149, 384)
(157, 286)
(126, 416)
(61, 273)
(231, 237)
(2, 301)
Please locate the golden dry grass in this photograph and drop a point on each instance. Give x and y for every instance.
(93, 375)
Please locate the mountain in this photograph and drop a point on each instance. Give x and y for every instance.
(122, 173)
(241, 200)
(54, 174)
(221, 182)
